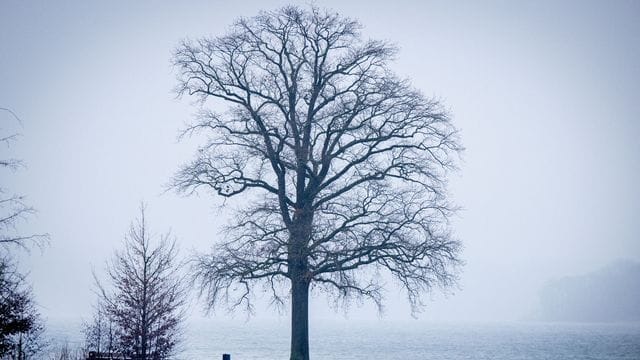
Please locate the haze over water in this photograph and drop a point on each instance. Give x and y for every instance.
(545, 94)
(397, 340)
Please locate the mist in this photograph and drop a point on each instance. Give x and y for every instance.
(545, 95)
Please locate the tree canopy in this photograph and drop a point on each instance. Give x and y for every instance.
(339, 167)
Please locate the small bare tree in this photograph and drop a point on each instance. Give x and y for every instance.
(100, 331)
(66, 352)
(146, 304)
(346, 162)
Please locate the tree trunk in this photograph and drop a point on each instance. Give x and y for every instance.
(299, 318)
(20, 352)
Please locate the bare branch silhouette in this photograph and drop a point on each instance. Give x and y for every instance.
(143, 305)
(13, 208)
(338, 166)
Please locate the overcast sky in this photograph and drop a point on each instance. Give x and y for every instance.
(546, 95)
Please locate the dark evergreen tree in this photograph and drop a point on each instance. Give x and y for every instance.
(21, 327)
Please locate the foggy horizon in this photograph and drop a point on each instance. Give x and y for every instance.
(545, 96)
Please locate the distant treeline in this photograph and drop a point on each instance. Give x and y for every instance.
(611, 294)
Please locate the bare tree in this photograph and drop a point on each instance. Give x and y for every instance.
(13, 208)
(100, 331)
(346, 164)
(146, 304)
(21, 327)
(66, 352)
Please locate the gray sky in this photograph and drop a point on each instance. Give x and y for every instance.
(545, 94)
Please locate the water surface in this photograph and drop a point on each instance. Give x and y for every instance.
(415, 340)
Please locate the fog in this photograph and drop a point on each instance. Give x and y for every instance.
(608, 295)
(545, 95)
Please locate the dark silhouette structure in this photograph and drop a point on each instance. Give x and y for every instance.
(338, 165)
(21, 327)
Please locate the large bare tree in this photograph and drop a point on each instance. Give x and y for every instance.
(338, 166)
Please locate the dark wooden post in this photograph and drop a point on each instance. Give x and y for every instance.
(226, 357)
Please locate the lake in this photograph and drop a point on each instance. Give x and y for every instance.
(391, 340)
